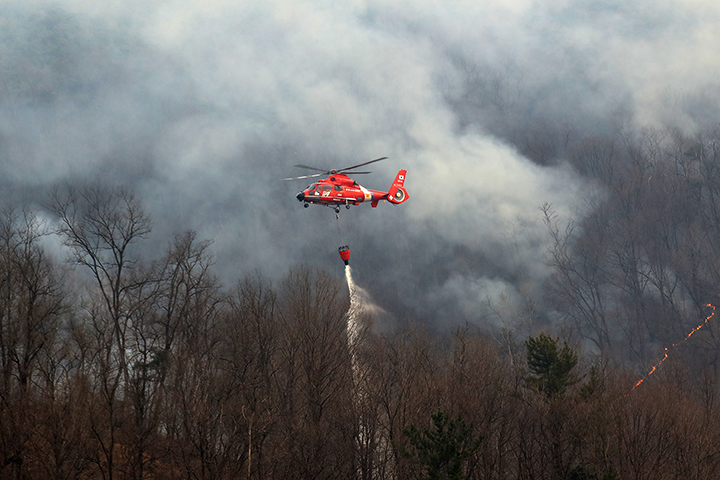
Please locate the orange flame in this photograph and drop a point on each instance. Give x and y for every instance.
(655, 367)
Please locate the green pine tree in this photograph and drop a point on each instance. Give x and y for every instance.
(441, 451)
(551, 367)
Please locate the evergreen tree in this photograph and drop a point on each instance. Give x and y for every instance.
(441, 451)
(551, 367)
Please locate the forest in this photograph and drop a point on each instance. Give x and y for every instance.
(113, 366)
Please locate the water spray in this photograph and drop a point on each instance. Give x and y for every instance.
(353, 327)
(360, 302)
(354, 310)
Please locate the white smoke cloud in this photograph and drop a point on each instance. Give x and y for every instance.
(202, 107)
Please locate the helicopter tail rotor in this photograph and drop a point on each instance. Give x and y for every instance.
(397, 193)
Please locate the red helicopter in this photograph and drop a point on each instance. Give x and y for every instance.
(339, 189)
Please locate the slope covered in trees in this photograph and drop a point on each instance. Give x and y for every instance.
(639, 271)
(127, 367)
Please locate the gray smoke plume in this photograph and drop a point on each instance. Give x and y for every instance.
(203, 107)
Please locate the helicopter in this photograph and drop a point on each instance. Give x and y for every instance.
(338, 189)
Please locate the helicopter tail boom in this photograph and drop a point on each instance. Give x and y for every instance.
(397, 193)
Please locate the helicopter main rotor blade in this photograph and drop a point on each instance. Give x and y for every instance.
(312, 168)
(305, 176)
(361, 164)
(332, 172)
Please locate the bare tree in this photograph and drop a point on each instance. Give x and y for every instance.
(317, 376)
(62, 431)
(31, 304)
(100, 225)
(578, 284)
(250, 355)
(200, 414)
(186, 288)
(176, 298)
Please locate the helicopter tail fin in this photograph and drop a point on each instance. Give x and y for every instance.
(397, 193)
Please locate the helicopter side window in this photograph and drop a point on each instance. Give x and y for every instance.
(327, 188)
(338, 188)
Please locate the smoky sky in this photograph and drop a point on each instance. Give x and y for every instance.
(202, 107)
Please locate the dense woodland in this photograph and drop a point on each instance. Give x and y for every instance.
(117, 367)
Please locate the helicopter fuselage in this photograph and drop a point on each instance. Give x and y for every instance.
(339, 189)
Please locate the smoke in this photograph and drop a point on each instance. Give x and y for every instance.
(202, 108)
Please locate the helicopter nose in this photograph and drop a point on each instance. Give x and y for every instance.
(300, 196)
